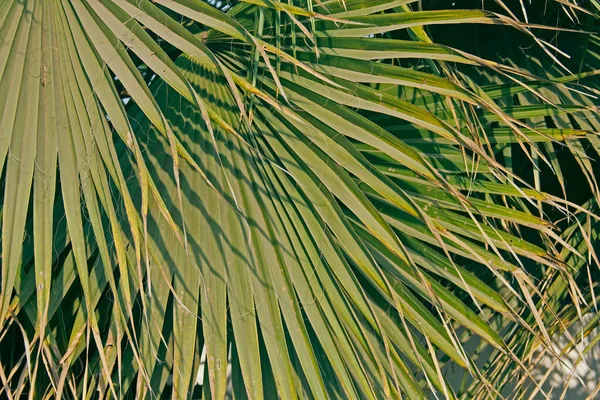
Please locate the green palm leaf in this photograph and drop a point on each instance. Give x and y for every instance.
(298, 199)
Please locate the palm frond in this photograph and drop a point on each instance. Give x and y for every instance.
(301, 200)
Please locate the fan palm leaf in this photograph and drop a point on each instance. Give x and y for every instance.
(279, 195)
